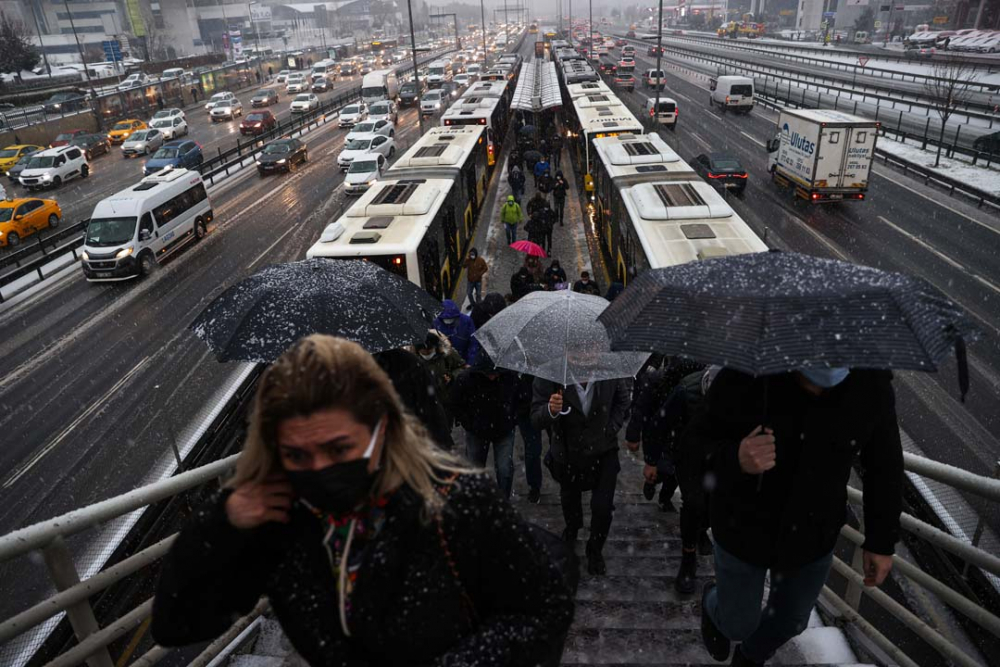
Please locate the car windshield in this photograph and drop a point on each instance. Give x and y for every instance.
(224, 103)
(68, 137)
(364, 127)
(40, 162)
(276, 149)
(166, 113)
(362, 166)
(7, 212)
(727, 163)
(139, 136)
(408, 88)
(8, 152)
(302, 98)
(433, 96)
(261, 95)
(119, 126)
(351, 110)
(162, 122)
(165, 153)
(358, 144)
(218, 96)
(380, 109)
(255, 117)
(110, 231)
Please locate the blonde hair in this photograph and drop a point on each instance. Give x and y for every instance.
(322, 372)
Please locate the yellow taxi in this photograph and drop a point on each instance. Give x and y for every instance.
(11, 154)
(123, 129)
(23, 217)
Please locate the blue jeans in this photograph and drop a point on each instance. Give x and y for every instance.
(477, 450)
(532, 451)
(511, 232)
(474, 287)
(734, 605)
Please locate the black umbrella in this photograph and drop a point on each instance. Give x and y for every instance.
(527, 129)
(772, 312)
(261, 316)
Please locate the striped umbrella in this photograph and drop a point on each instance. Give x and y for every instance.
(772, 312)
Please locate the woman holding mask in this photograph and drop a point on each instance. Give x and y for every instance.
(373, 546)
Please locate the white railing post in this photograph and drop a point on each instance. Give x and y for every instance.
(980, 525)
(59, 561)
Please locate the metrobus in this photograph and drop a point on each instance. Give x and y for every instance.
(458, 153)
(407, 226)
(533, 29)
(652, 210)
(493, 113)
(499, 88)
(602, 116)
(383, 45)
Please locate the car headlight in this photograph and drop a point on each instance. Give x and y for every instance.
(371, 182)
(257, 161)
(46, 177)
(282, 161)
(85, 255)
(124, 252)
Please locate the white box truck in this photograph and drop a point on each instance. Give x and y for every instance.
(825, 155)
(379, 85)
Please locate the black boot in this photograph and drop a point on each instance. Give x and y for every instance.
(705, 546)
(534, 495)
(686, 575)
(715, 642)
(595, 560)
(740, 660)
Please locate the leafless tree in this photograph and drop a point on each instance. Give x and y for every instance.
(17, 53)
(950, 86)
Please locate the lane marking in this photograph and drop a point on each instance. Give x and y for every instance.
(271, 247)
(937, 203)
(683, 97)
(756, 141)
(927, 246)
(830, 245)
(718, 118)
(697, 137)
(99, 403)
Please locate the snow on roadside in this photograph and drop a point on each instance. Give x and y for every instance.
(958, 167)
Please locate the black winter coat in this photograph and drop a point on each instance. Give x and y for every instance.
(650, 421)
(417, 388)
(406, 607)
(795, 514)
(484, 407)
(577, 437)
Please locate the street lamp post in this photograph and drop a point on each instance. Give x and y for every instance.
(482, 13)
(659, 72)
(79, 48)
(41, 44)
(256, 38)
(413, 52)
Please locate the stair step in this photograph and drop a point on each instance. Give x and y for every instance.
(639, 646)
(633, 589)
(648, 566)
(599, 614)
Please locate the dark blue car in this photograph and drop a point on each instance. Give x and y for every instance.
(180, 154)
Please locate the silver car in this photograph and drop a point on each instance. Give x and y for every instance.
(142, 142)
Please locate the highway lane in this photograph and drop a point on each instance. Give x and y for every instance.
(903, 226)
(99, 378)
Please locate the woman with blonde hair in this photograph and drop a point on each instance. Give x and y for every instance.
(373, 546)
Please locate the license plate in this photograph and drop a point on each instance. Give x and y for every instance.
(836, 196)
(730, 185)
(102, 274)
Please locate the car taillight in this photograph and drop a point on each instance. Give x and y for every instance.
(711, 175)
(727, 99)
(652, 112)
(815, 195)
(744, 175)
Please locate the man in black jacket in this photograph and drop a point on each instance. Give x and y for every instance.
(484, 403)
(781, 448)
(415, 386)
(584, 422)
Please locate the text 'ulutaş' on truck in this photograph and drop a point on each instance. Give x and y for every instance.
(825, 155)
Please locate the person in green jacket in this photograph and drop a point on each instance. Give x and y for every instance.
(511, 216)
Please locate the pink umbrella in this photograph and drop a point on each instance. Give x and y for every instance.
(532, 249)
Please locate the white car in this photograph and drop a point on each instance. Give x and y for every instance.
(214, 100)
(384, 110)
(365, 143)
(304, 102)
(383, 127)
(226, 110)
(134, 81)
(169, 113)
(352, 114)
(49, 168)
(432, 102)
(363, 172)
(462, 79)
(282, 76)
(170, 128)
(143, 142)
(297, 83)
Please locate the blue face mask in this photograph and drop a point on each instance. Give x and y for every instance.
(825, 377)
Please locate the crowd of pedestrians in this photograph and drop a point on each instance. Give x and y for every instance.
(378, 538)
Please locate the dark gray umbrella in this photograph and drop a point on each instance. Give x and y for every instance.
(261, 316)
(527, 130)
(765, 313)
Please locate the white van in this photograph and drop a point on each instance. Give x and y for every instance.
(438, 72)
(732, 93)
(133, 230)
(667, 113)
(172, 73)
(379, 85)
(324, 68)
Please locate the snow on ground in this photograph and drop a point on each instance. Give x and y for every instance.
(958, 167)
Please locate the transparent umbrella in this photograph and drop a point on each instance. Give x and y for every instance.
(556, 336)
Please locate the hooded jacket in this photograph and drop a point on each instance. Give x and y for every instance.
(475, 268)
(459, 332)
(510, 213)
(406, 607)
(516, 178)
(445, 362)
(792, 514)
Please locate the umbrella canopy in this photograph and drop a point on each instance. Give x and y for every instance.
(261, 316)
(556, 336)
(771, 312)
(527, 129)
(532, 249)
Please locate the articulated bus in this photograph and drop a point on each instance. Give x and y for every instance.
(458, 153)
(501, 89)
(604, 117)
(652, 210)
(490, 112)
(420, 220)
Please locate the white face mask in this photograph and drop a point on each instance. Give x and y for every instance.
(428, 356)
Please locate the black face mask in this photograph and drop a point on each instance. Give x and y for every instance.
(337, 488)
